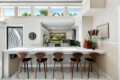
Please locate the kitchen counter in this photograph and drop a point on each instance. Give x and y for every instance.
(50, 50)
(9, 63)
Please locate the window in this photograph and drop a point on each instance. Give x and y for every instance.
(73, 12)
(41, 12)
(24, 12)
(57, 12)
(8, 12)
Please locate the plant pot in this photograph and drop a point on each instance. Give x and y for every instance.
(93, 45)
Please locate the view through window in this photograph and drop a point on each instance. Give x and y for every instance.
(41, 12)
(57, 12)
(24, 12)
(73, 12)
(8, 12)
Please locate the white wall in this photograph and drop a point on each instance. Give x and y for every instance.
(97, 3)
(109, 62)
(33, 24)
(78, 26)
(44, 32)
(109, 15)
(69, 34)
(1, 48)
(87, 24)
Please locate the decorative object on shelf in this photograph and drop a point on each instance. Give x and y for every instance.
(94, 39)
(32, 36)
(90, 42)
(77, 43)
(103, 31)
(93, 32)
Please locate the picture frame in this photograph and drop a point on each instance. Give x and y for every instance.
(103, 31)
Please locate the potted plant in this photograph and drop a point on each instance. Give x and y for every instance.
(77, 43)
(94, 39)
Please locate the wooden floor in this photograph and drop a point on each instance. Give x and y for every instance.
(58, 75)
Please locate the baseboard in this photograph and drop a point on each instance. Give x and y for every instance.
(104, 74)
(57, 65)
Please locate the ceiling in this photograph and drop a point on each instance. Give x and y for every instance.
(58, 25)
(27, 1)
(41, 2)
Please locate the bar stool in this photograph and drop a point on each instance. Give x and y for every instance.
(24, 60)
(90, 61)
(58, 58)
(76, 59)
(40, 60)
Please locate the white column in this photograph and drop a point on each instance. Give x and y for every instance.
(32, 11)
(1, 12)
(66, 11)
(2, 40)
(16, 11)
(118, 8)
(49, 11)
(6, 65)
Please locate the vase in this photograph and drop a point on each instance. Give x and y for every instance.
(93, 45)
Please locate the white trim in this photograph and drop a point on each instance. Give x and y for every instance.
(44, 29)
(16, 11)
(33, 11)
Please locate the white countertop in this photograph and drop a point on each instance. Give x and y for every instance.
(51, 50)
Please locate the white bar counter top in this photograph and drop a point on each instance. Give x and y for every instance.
(50, 50)
(8, 63)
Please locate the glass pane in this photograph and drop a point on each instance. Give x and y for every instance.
(57, 12)
(73, 12)
(41, 12)
(24, 12)
(8, 12)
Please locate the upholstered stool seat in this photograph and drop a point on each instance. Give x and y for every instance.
(27, 59)
(55, 59)
(43, 60)
(73, 59)
(89, 59)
